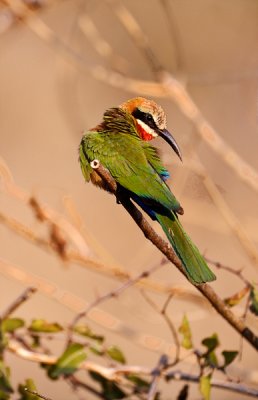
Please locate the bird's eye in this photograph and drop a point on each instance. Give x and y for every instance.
(149, 117)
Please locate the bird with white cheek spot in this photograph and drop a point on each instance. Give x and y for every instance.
(121, 144)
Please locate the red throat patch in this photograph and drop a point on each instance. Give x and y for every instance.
(143, 134)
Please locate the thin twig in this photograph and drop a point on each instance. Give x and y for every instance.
(168, 321)
(26, 294)
(37, 394)
(112, 294)
(237, 272)
(156, 374)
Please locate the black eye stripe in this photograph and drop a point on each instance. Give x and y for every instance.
(144, 117)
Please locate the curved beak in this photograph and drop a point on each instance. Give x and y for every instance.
(171, 141)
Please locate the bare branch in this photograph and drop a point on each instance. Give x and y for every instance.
(167, 320)
(156, 375)
(237, 272)
(37, 394)
(26, 294)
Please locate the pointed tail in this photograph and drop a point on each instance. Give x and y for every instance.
(196, 267)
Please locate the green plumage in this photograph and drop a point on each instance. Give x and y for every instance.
(136, 166)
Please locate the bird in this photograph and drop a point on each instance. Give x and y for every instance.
(121, 144)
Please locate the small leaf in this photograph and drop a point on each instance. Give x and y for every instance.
(69, 361)
(84, 330)
(25, 395)
(40, 325)
(97, 349)
(205, 386)
(11, 324)
(211, 359)
(229, 357)
(36, 341)
(3, 341)
(116, 354)
(5, 385)
(211, 342)
(139, 382)
(254, 300)
(237, 297)
(185, 330)
(110, 390)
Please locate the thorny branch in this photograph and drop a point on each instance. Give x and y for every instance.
(151, 235)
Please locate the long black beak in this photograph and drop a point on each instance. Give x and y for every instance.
(171, 141)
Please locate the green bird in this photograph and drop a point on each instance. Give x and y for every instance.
(121, 144)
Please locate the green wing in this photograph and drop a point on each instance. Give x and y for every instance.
(134, 166)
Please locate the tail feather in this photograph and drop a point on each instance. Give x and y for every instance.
(196, 267)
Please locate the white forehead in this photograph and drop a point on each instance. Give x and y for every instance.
(160, 118)
(156, 111)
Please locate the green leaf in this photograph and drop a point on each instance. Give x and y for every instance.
(36, 341)
(254, 300)
(110, 390)
(11, 324)
(229, 357)
(25, 395)
(5, 385)
(205, 386)
(3, 341)
(116, 354)
(139, 382)
(97, 349)
(211, 342)
(185, 330)
(84, 330)
(68, 363)
(211, 359)
(40, 325)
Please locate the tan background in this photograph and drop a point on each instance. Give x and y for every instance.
(48, 97)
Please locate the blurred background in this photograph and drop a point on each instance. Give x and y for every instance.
(62, 64)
